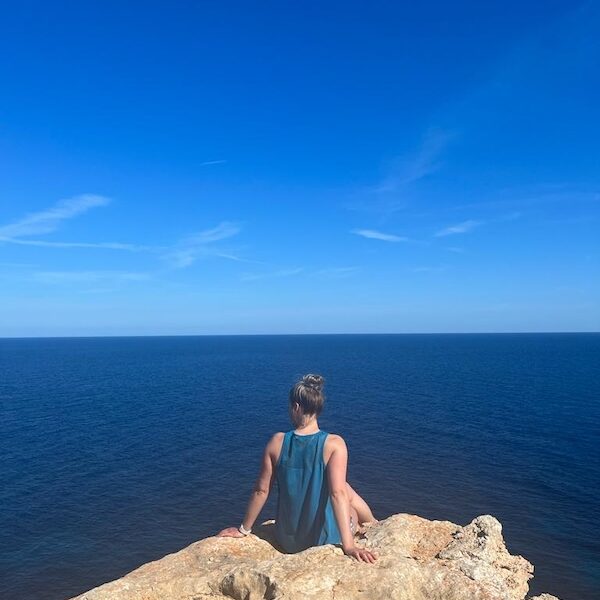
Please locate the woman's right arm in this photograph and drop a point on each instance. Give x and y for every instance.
(336, 475)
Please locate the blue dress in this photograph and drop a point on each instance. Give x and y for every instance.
(305, 515)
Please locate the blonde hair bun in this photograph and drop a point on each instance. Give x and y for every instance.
(314, 381)
(308, 395)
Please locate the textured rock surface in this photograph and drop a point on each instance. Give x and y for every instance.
(418, 560)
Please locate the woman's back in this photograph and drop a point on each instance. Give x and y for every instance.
(305, 516)
(315, 503)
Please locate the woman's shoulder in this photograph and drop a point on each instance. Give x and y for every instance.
(276, 438)
(333, 443)
(333, 440)
(275, 442)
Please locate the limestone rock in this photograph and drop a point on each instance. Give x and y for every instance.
(417, 560)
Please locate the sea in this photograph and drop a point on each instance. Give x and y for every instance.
(117, 451)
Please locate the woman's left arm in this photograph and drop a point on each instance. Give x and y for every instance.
(260, 493)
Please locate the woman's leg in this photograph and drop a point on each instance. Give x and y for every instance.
(362, 509)
(353, 519)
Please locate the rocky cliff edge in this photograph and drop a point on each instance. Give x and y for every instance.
(418, 560)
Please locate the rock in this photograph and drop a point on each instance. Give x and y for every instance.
(479, 552)
(418, 560)
(544, 597)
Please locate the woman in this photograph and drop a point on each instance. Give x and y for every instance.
(316, 505)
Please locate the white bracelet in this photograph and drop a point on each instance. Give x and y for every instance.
(244, 531)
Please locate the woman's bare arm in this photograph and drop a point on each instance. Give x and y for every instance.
(263, 485)
(261, 490)
(336, 474)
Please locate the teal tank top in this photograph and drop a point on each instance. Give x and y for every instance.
(305, 515)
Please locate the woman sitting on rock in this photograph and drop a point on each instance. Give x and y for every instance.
(316, 505)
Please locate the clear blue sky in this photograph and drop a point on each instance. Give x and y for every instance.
(299, 167)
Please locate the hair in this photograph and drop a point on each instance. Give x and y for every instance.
(308, 393)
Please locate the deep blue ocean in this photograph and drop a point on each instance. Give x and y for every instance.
(117, 451)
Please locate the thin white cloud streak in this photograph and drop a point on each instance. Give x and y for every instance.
(223, 230)
(570, 35)
(330, 273)
(230, 256)
(463, 227)
(471, 224)
(427, 269)
(513, 216)
(208, 163)
(393, 191)
(67, 277)
(49, 220)
(519, 198)
(399, 185)
(197, 246)
(337, 272)
(424, 162)
(274, 274)
(16, 265)
(372, 234)
(234, 257)
(105, 245)
(181, 255)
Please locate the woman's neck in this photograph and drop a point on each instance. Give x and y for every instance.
(310, 426)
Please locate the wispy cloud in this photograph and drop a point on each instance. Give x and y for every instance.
(424, 162)
(513, 216)
(394, 190)
(180, 255)
(337, 272)
(458, 228)
(234, 257)
(372, 234)
(198, 245)
(325, 273)
(428, 269)
(49, 220)
(105, 245)
(470, 224)
(272, 274)
(66, 277)
(15, 265)
(568, 40)
(207, 163)
(223, 230)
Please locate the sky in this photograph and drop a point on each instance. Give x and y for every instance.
(225, 167)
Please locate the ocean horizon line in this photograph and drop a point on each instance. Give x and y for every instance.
(307, 334)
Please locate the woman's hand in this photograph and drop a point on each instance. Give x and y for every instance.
(231, 532)
(360, 554)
